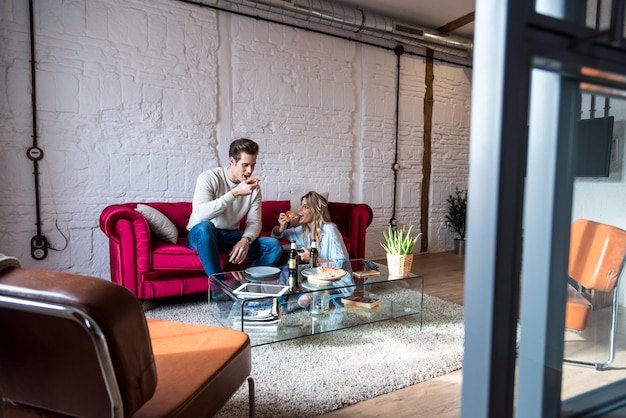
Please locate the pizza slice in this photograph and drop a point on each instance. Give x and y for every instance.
(291, 216)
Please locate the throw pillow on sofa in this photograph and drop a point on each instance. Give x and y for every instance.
(159, 224)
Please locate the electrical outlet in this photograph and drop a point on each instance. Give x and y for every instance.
(39, 247)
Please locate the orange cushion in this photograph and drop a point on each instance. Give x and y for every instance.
(577, 310)
(198, 368)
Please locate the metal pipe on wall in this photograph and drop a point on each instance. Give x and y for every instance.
(357, 21)
(399, 50)
(38, 244)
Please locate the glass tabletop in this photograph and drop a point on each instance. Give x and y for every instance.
(259, 302)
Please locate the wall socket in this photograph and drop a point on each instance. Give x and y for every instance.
(39, 247)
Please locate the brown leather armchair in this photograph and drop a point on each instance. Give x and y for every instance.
(73, 345)
(596, 259)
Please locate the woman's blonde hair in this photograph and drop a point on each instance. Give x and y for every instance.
(319, 207)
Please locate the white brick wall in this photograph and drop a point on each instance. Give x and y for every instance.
(136, 97)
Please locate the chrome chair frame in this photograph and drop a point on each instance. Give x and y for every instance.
(613, 331)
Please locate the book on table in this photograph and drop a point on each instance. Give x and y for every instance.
(262, 313)
(362, 302)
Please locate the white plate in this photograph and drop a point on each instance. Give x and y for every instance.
(262, 271)
(322, 285)
(313, 271)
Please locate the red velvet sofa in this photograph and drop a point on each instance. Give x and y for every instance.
(151, 268)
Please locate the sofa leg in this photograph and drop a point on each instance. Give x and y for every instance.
(251, 401)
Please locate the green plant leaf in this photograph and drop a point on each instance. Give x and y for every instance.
(457, 210)
(399, 241)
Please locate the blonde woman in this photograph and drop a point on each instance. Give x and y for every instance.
(314, 224)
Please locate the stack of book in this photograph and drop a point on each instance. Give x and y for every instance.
(360, 302)
(261, 314)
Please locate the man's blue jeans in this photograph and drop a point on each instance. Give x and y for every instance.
(207, 240)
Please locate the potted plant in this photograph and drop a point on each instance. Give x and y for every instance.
(399, 246)
(455, 218)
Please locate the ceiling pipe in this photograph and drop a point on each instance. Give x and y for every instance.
(357, 21)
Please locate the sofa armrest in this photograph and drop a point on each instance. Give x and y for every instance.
(361, 218)
(352, 220)
(129, 243)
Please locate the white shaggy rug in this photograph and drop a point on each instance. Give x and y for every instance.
(314, 375)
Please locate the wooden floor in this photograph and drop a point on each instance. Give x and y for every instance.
(441, 397)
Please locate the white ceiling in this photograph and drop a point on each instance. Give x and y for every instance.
(430, 14)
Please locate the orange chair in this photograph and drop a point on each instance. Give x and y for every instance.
(80, 346)
(596, 259)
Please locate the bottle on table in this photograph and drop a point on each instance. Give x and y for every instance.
(293, 267)
(313, 254)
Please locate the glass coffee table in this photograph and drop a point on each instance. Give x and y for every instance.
(259, 302)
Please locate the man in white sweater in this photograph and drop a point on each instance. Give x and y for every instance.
(223, 196)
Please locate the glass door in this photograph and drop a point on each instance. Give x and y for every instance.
(546, 149)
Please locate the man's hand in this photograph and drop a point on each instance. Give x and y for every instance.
(244, 189)
(240, 276)
(239, 252)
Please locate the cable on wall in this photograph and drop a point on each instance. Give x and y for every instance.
(38, 244)
(393, 222)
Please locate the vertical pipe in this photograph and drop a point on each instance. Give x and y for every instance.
(399, 50)
(34, 111)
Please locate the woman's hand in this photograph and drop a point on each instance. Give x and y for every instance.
(304, 254)
(282, 223)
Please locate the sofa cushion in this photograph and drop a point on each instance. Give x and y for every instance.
(201, 364)
(167, 256)
(160, 225)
